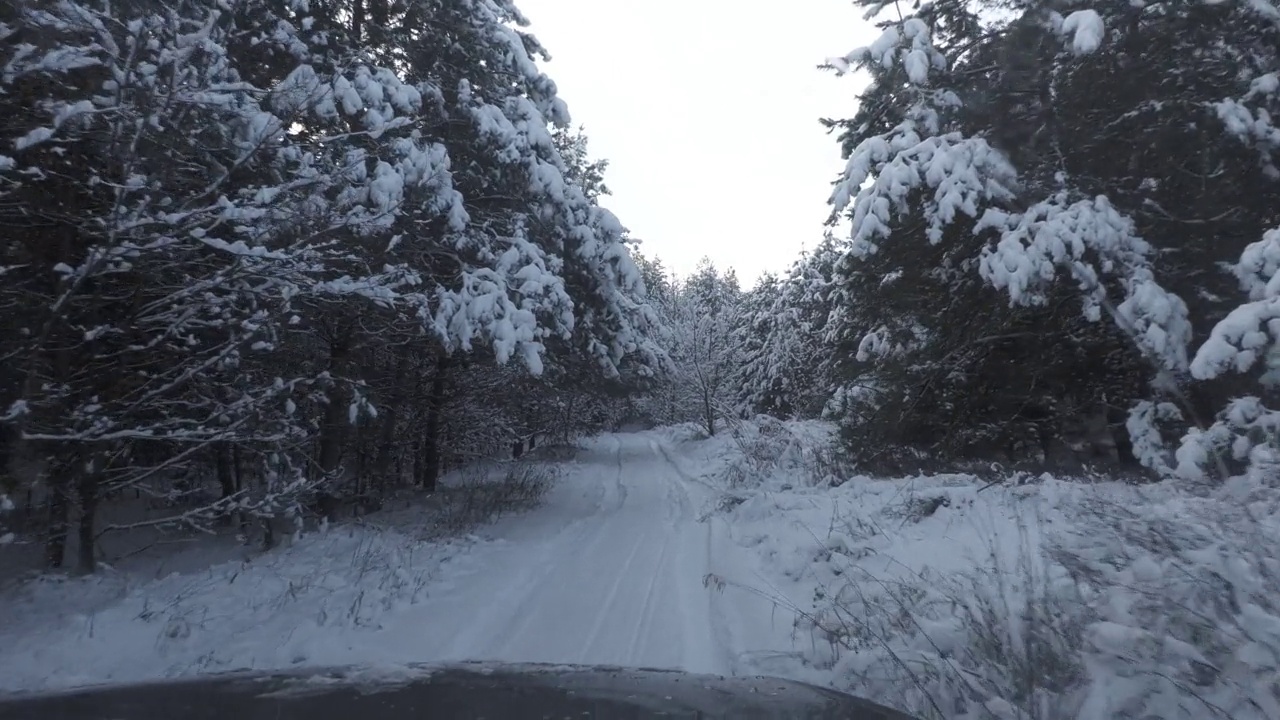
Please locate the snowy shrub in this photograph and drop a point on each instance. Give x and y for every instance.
(685, 432)
(984, 644)
(791, 453)
(1146, 603)
(915, 508)
(484, 493)
(315, 597)
(554, 452)
(1187, 595)
(1025, 637)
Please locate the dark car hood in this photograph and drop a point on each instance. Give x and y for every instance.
(437, 692)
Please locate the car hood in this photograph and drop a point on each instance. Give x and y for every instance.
(437, 692)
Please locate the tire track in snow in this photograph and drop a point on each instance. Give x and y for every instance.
(501, 623)
(610, 609)
(649, 607)
(590, 532)
(726, 654)
(602, 612)
(622, 585)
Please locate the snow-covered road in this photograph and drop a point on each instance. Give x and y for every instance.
(610, 570)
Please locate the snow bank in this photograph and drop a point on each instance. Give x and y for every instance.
(382, 590)
(323, 600)
(1036, 598)
(945, 597)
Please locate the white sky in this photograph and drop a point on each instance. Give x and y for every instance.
(707, 111)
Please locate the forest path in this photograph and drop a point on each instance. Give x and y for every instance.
(610, 570)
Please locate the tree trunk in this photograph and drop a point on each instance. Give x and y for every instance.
(226, 478)
(419, 460)
(567, 422)
(87, 489)
(329, 453)
(6, 444)
(387, 436)
(1120, 436)
(430, 466)
(59, 522)
(709, 411)
(237, 476)
(379, 12)
(268, 534)
(267, 520)
(332, 429)
(357, 18)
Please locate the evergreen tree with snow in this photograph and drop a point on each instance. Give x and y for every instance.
(786, 361)
(986, 157)
(699, 317)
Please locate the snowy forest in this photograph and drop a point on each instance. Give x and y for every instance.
(308, 251)
(266, 263)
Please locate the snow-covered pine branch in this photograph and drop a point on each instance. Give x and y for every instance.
(1094, 243)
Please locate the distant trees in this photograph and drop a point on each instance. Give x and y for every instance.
(278, 243)
(699, 314)
(786, 356)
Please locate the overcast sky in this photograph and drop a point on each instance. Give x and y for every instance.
(707, 111)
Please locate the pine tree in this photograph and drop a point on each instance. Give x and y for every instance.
(985, 156)
(787, 360)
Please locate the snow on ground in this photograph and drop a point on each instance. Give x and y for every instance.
(746, 553)
(948, 597)
(609, 570)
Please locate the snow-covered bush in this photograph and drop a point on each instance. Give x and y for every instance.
(1108, 602)
(484, 492)
(1186, 593)
(768, 450)
(315, 599)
